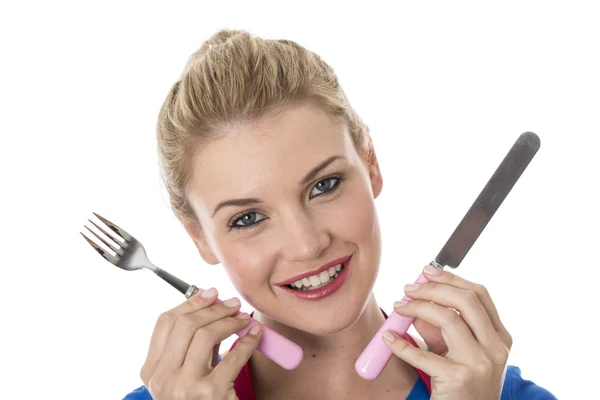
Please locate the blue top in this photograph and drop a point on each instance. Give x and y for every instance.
(515, 388)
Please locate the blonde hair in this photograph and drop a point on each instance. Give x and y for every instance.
(234, 79)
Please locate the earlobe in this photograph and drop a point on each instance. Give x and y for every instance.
(195, 231)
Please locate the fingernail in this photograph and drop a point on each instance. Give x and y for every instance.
(389, 336)
(411, 287)
(254, 330)
(232, 302)
(207, 294)
(243, 315)
(399, 303)
(431, 270)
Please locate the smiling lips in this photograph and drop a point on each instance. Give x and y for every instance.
(318, 280)
(321, 283)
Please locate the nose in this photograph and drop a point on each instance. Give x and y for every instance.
(303, 238)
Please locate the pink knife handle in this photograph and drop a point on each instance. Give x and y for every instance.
(278, 348)
(376, 355)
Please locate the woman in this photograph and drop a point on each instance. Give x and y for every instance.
(274, 176)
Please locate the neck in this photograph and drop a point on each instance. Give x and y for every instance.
(327, 357)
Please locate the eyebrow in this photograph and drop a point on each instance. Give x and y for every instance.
(251, 201)
(315, 171)
(236, 203)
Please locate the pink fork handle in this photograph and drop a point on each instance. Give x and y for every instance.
(275, 346)
(376, 355)
(278, 348)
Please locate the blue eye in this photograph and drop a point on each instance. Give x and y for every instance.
(322, 188)
(247, 220)
(325, 186)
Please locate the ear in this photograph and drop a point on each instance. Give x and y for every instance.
(374, 171)
(195, 231)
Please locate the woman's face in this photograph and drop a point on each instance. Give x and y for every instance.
(284, 199)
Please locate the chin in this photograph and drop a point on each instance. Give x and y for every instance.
(335, 322)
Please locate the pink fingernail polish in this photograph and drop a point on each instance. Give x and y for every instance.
(207, 294)
(254, 330)
(411, 287)
(399, 304)
(389, 336)
(232, 303)
(431, 270)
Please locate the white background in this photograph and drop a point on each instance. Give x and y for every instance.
(446, 88)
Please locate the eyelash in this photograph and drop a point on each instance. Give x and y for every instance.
(336, 186)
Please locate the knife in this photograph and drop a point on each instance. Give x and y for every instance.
(376, 355)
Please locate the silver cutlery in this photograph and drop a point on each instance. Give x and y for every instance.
(130, 255)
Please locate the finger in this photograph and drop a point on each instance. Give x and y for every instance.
(185, 328)
(430, 363)
(432, 336)
(466, 302)
(461, 343)
(229, 367)
(481, 292)
(199, 358)
(164, 326)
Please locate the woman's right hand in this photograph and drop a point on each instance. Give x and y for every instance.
(182, 358)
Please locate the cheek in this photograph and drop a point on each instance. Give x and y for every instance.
(354, 218)
(247, 264)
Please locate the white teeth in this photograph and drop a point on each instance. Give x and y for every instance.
(316, 281)
(324, 276)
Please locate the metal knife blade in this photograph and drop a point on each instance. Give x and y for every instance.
(489, 200)
(376, 355)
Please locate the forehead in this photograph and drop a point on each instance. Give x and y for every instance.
(248, 159)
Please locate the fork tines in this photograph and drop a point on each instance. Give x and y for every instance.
(121, 232)
(118, 233)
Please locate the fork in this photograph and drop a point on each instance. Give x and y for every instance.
(131, 256)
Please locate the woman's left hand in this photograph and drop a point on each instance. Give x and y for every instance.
(468, 344)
